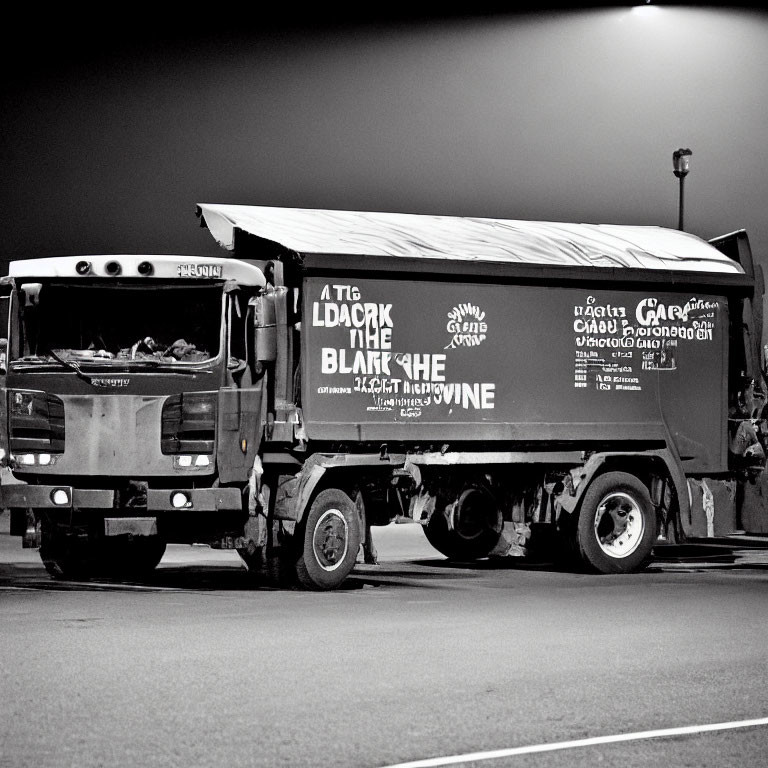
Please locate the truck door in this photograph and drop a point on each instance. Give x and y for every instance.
(240, 400)
(5, 302)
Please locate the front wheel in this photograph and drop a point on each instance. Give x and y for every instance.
(330, 541)
(617, 524)
(130, 558)
(67, 553)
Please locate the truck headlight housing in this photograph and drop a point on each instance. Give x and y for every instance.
(35, 423)
(189, 423)
(60, 497)
(180, 500)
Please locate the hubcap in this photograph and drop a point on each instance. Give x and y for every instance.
(330, 540)
(619, 525)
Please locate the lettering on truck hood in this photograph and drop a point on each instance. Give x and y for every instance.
(109, 381)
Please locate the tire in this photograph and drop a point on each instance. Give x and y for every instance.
(616, 529)
(121, 557)
(476, 529)
(66, 554)
(329, 540)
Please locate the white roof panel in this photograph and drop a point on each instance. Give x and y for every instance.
(317, 231)
(162, 266)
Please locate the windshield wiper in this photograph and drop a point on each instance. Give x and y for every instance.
(123, 363)
(73, 365)
(159, 365)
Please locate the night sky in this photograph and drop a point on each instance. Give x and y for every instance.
(114, 129)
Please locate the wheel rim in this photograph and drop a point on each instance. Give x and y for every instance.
(619, 525)
(330, 540)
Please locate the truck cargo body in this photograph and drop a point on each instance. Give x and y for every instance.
(516, 388)
(533, 364)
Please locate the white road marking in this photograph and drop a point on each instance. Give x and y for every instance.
(435, 762)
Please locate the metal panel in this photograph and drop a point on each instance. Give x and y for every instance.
(93, 498)
(450, 458)
(34, 496)
(135, 526)
(116, 435)
(163, 267)
(39, 496)
(413, 360)
(239, 431)
(203, 500)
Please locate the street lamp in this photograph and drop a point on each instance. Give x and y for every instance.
(681, 160)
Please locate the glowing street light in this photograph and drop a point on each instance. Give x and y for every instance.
(681, 161)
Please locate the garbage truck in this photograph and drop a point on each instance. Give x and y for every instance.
(515, 387)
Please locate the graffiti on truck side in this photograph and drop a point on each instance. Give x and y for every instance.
(467, 326)
(398, 382)
(616, 344)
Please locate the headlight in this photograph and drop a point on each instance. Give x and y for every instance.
(60, 497)
(179, 500)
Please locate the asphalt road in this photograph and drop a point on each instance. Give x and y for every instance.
(412, 659)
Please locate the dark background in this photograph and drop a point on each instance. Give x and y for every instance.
(115, 126)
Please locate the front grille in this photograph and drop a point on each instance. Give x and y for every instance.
(189, 423)
(36, 422)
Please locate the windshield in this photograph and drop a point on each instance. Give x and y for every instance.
(112, 323)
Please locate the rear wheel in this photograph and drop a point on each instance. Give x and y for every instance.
(617, 524)
(329, 541)
(474, 529)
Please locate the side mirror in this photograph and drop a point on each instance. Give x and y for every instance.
(3, 357)
(265, 328)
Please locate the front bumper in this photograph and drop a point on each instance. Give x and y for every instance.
(158, 500)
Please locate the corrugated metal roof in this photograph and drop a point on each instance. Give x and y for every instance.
(317, 231)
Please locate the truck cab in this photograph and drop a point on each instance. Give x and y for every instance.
(134, 399)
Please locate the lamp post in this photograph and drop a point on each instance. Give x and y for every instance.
(681, 160)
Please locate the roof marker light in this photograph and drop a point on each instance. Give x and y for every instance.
(145, 268)
(83, 267)
(112, 268)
